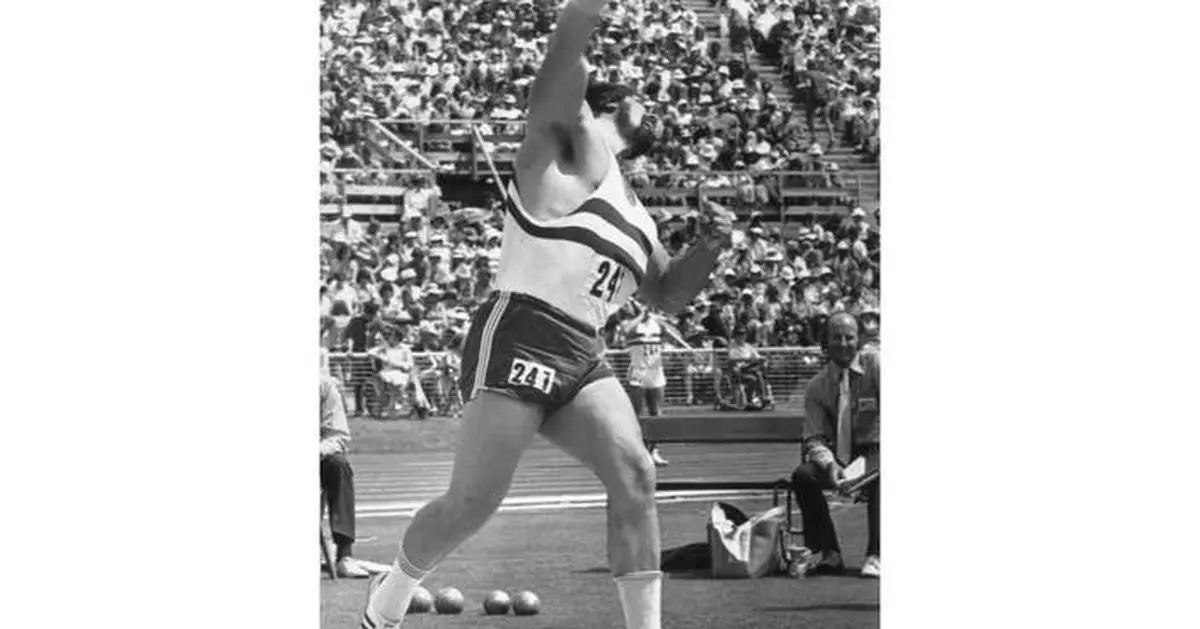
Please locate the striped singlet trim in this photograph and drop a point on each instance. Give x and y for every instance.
(606, 211)
(585, 236)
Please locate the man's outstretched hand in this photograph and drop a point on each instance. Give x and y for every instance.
(715, 226)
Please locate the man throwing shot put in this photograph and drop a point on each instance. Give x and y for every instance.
(577, 245)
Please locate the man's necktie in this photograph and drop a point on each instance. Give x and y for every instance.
(843, 427)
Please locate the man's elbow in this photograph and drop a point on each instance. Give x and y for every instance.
(656, 297)
(670, 306)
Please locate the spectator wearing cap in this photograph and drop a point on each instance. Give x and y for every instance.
(412, 239)
(813, 257)
(815, 164)
(410, 291)
(843, 264)
(853, 222)
(833, 177)
(757, 243)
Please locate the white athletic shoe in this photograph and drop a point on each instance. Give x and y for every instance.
(371, 620)
(658, 459)
(372, 567)
(870, 567)
(350, 568)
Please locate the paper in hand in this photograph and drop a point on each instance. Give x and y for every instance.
(855, 470)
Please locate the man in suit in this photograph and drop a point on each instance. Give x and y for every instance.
(841, 422)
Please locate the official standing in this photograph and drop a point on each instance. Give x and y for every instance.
(841, 422)
(647, 380)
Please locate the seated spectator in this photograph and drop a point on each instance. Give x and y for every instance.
(337, 483)
(400, 370)
(841, 422)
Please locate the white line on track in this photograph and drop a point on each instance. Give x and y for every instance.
(526, 504)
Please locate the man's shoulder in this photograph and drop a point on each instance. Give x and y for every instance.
(817, 383)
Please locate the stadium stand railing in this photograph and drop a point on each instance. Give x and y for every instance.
(788, 194)
(453, 144)
(789, 370)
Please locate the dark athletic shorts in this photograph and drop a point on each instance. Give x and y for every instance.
(521, 346)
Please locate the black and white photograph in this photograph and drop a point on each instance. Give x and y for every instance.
(600, 313)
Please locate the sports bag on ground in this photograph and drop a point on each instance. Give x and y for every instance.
(744, 547)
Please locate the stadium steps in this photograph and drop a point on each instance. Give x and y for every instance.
(849, 162)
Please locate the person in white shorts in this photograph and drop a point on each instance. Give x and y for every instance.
(647, 380)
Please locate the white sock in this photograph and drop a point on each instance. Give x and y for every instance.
(641, 599)
(390, 600)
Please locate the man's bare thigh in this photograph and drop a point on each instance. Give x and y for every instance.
(598, 427)
(496, 429)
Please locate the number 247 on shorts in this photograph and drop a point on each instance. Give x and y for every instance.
(531, 374)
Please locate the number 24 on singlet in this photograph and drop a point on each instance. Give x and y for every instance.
(609, 276)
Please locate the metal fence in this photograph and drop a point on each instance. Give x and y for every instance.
(692, 374)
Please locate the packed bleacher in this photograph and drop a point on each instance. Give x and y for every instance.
(441, 60)
(432, 61)
(427, 277)
(829, 51)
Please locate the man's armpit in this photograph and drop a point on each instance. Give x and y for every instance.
(566, 141)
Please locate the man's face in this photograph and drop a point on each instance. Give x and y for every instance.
(635, 127)
(843, 340)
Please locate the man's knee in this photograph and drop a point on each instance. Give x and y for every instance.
(636, 475)
(807, 478)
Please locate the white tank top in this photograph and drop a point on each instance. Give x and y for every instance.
(645, 355)
(587, 263)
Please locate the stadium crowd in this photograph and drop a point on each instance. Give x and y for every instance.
(829, 50)
(430, 61)
(425, 279)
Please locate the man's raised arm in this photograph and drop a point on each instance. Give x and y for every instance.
(558, 89)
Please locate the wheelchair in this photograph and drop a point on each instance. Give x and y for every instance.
(743, 386)
(387, 400)
(447, 401)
